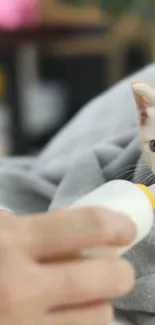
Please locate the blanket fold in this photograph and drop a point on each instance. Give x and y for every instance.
(101, 143)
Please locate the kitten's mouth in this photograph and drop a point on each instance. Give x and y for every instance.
(153, 171)
(152, 187)
(151, 179)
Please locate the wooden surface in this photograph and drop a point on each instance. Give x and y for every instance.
(56, 22)
(93, 45)
(57, 13)
(47, 34)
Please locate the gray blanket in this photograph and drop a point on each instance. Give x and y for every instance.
(101, 143)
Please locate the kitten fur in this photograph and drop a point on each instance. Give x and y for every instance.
(144, 95)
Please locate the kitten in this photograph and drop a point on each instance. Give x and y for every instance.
(144, 96)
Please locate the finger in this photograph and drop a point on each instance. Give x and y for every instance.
(6, 218)
(86, 281)
(100, 314)
(68, 230)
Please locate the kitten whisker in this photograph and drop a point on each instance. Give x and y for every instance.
(140, 172)
(133, 166)
(124, 172)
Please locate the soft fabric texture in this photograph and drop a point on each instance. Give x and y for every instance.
(93, 149)
(121, 321)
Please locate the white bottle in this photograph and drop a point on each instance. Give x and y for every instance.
(136, 201)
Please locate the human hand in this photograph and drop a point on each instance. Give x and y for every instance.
(43, 279)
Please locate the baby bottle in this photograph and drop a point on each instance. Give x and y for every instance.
(135, 200)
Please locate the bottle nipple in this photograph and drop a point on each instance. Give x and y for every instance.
(147, 191)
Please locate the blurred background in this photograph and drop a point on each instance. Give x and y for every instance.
(55, 55)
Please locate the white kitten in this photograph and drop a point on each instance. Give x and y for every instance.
(145, 99)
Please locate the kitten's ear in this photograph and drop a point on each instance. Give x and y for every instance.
(145, 97)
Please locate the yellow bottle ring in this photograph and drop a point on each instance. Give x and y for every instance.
(148, 193)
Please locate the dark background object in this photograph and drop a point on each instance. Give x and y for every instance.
(135, 58)
(86, 76)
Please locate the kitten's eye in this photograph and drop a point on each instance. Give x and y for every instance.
(152, 145)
